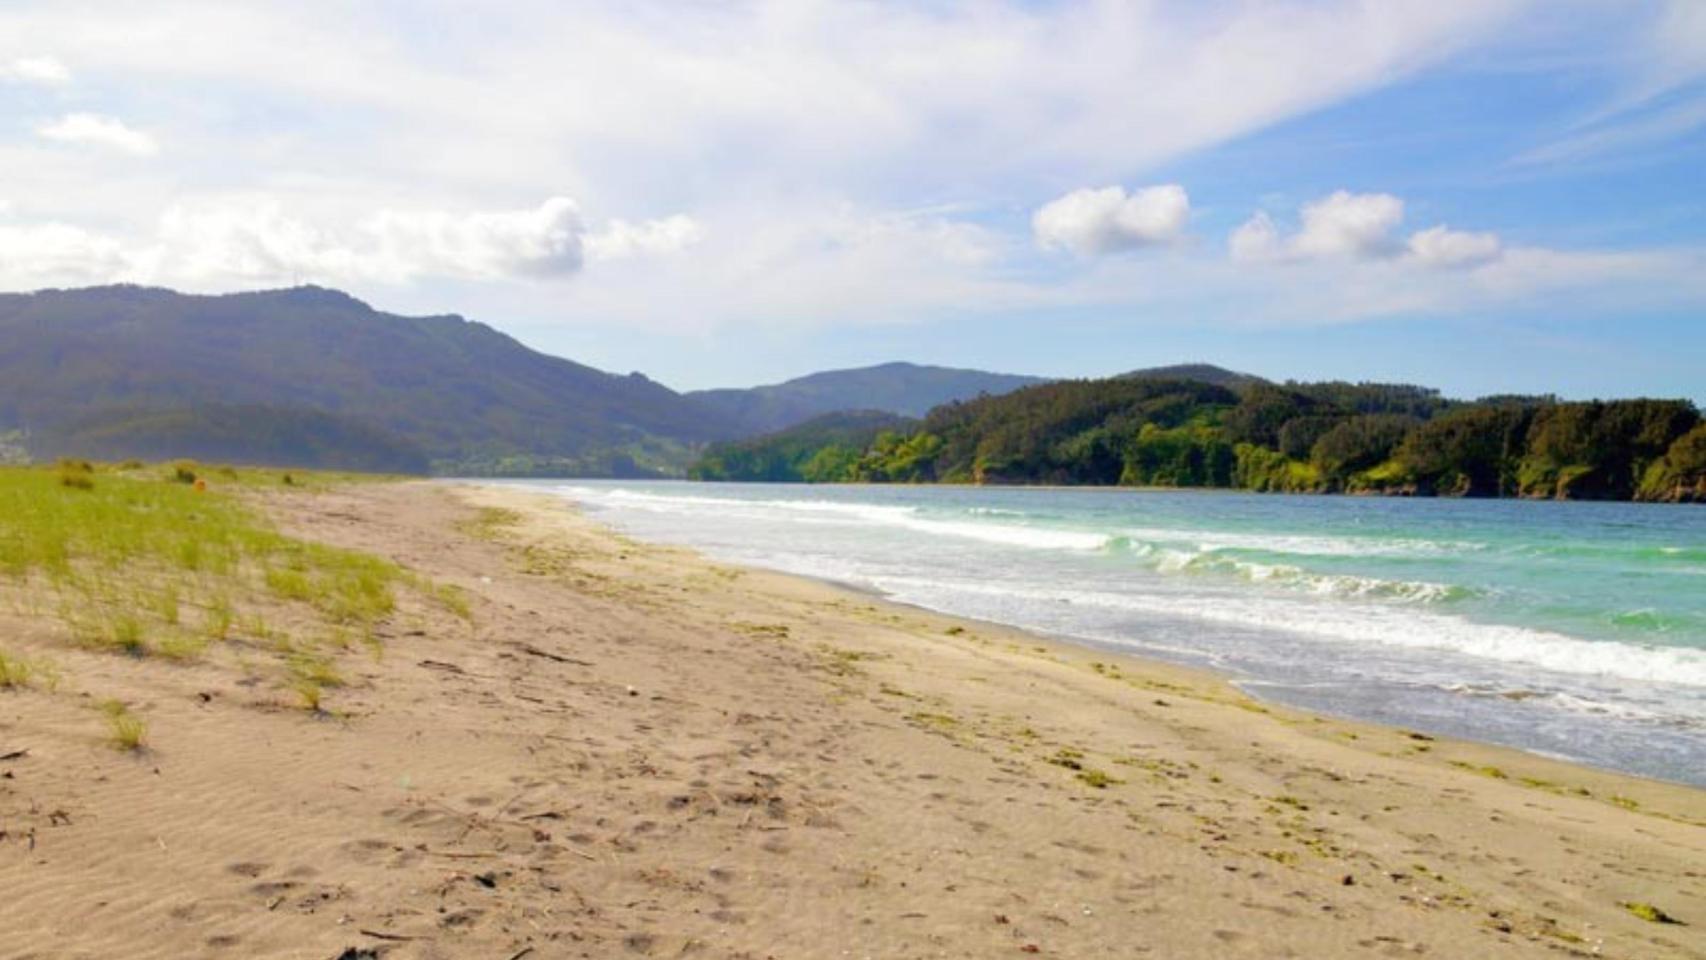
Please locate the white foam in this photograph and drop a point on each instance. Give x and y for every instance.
(1395, 627)
(1336, 608)
(1289, 576)
(1299, 544)
(1006, 534)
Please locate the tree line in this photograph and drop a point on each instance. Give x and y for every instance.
(1294, 437)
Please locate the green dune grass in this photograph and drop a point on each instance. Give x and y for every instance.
(139, 555)
(170, 561)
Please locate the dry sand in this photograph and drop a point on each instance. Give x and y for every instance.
(636, 752)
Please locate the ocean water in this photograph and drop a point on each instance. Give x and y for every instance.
(1576, 630)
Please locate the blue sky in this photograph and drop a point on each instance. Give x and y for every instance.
(1487, 196)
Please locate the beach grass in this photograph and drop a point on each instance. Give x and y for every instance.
(135, 548)
(15, 672)
(168, 561)
(126, 731)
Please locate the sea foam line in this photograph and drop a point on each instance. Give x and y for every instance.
(1365, 623)
(1166, 551)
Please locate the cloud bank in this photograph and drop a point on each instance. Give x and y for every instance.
(759, 162)
(237, 242)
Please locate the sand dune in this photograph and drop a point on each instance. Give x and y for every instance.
(632, 751)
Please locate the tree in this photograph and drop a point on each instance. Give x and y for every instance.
(1680, 475)
(1360, 443)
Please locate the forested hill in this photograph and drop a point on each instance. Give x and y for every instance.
(906, 389)
(1294, 437)
(1198, 372)
(313, 376)
(820, 450)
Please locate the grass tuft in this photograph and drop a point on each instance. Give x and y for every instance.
(1099, 779)
(1649, 913)
(310, 693)
(125, 634)
(15, 673)
(490, 523)
(315, 669)
(182, 647)
(126, 731)
(452, 598)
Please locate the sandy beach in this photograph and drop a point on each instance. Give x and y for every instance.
(629, 750)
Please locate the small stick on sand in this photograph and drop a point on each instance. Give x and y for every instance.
(532, 650)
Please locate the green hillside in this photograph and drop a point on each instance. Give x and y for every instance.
(822, 449)
(1294, 437)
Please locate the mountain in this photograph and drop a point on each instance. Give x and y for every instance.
(223, 433)
(1198, 372)
(907, 389)
(81, 369)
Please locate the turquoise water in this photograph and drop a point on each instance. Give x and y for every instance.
(1572, 629)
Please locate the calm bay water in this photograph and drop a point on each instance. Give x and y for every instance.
(1572, 629)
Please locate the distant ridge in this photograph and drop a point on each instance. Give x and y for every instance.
(78, 368)
(906, 389)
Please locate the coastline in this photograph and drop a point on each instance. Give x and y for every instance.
(1084, 652)
(632, 750)
(1530, 780)
(1476, 621)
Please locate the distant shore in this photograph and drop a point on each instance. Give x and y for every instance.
(628, 749)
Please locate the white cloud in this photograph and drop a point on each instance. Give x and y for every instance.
(828, 263)
(244, 241)
(1256, 240)
(1090, 221)
(45, 254)
(1443, 247)
(1663, 98)
(253, 240)
(105, 132)
(888, 105)
(620, 239)
(1314, 293)
(543, 242)
(1341, 225)
(1352, 227)
(45, 71)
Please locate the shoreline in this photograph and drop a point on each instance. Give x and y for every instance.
(628, 749)
(1426, 718)
(1082, 647)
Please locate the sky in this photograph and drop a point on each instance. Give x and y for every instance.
(1487, 196)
